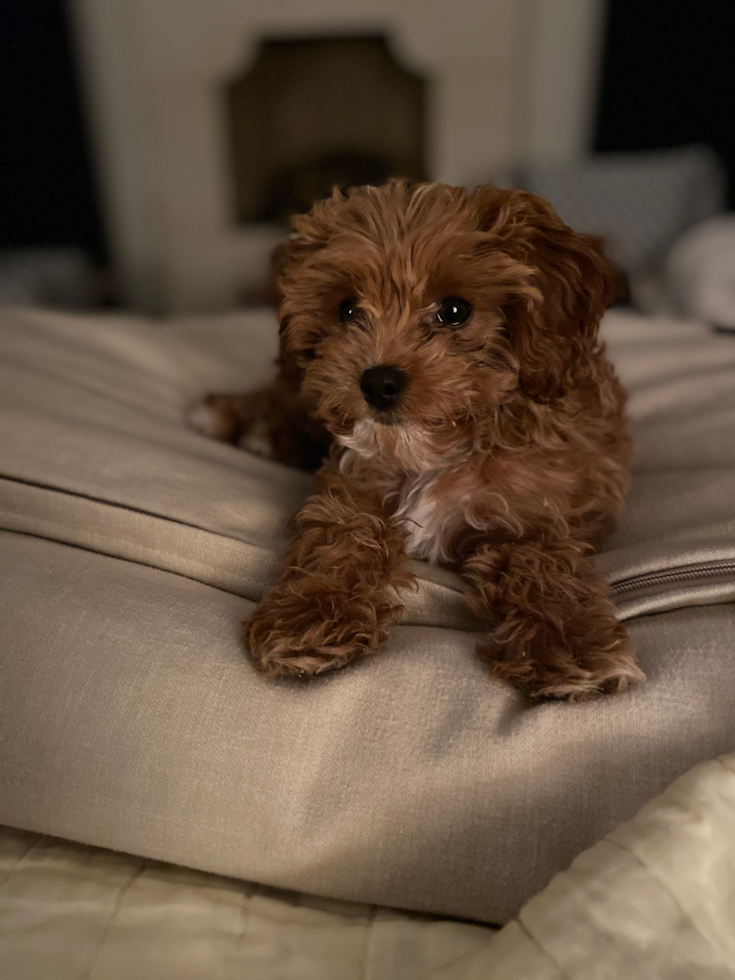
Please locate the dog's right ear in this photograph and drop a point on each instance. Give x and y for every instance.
(281, 257)
(313, 231)
(287, 281)
(302, 277)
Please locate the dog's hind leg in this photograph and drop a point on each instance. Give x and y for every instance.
(277, 422)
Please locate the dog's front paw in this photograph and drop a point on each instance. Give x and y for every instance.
(548, 663)
(302, 629)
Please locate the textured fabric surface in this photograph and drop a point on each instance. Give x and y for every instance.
(700, 272)
(70, 912)
(133, 549)
(94, 452)
(655, 898)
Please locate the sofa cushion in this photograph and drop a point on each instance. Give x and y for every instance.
(132, 548)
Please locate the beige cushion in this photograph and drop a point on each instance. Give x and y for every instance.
(132, 549)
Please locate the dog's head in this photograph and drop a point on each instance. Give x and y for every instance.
(415, 314)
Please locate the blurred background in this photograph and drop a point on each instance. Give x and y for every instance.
(152, 151)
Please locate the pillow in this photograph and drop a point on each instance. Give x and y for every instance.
(132, 548)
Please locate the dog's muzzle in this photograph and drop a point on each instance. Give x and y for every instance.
(382, 385)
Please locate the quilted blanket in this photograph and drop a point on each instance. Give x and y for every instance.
(654, 899)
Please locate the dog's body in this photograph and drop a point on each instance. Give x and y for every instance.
(439, 351)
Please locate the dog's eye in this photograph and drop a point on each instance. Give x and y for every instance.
(453, 311)
(348, 310)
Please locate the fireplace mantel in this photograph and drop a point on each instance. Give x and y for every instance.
(156, 71)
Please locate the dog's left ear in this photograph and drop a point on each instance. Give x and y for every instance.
(563, 284)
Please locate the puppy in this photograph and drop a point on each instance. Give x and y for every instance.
(439, 364)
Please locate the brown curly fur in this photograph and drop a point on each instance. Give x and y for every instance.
(505, 458)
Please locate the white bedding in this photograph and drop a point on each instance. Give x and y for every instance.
(654, 899)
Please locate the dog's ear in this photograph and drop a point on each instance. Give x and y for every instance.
(293, 279)
(563, 285)
(312, 232)
(283, 257)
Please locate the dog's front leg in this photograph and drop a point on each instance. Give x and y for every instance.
(556, 634)
(335, 598)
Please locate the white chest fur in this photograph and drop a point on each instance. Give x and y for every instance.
(432, 519)
(428, 521)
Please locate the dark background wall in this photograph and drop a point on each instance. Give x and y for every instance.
(668, 77)
(47, 190)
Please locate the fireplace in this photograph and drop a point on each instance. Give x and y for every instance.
(312, 113)
(215, 119)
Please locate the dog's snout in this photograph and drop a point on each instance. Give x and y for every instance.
(382, 385)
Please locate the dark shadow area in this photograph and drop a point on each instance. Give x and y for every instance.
(47, 189)
(668, 78)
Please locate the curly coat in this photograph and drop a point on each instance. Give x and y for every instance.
(505, 456)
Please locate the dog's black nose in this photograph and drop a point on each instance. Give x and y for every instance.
(382, 385)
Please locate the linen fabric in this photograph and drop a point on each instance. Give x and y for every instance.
(132, 548)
